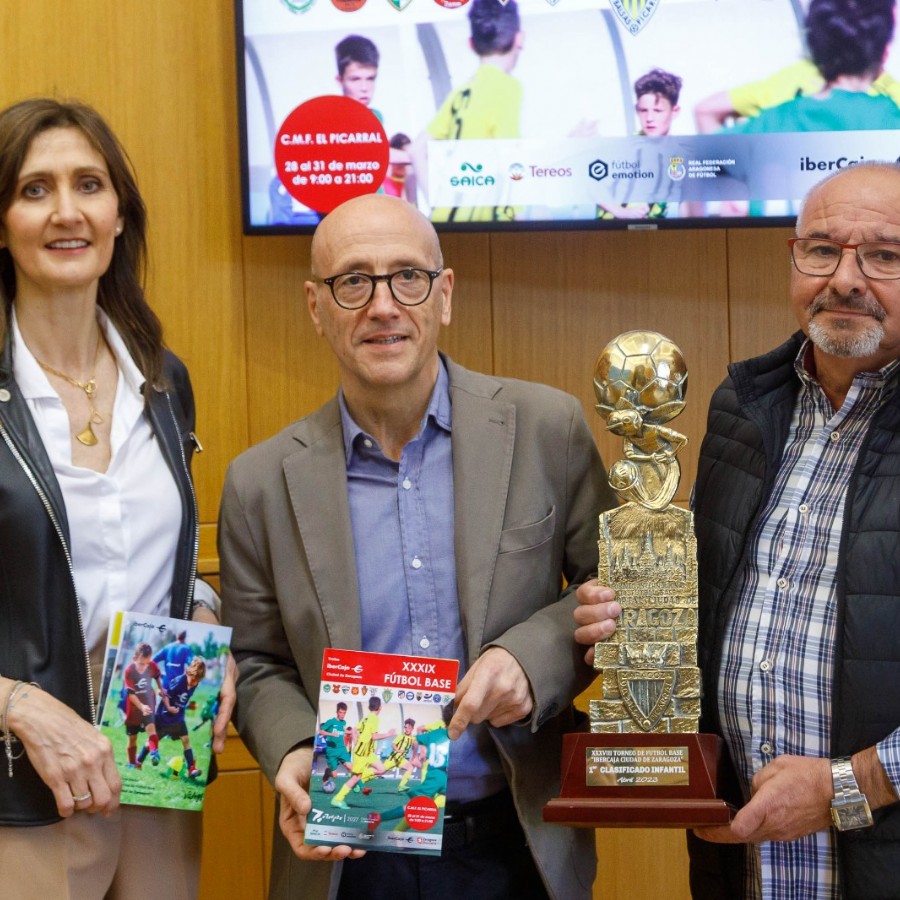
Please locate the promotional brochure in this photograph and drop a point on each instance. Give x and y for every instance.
(381, 753)
(158, 700)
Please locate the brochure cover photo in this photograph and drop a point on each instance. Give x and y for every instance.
(381, 752)
(159, 698)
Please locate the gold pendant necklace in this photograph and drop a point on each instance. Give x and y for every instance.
(86, 436)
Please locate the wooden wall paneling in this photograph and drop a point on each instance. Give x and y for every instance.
(196, 280)
(759, 276)
(237, 826)
(290, 370)
(559, 298)
(270, 818)
(235, 863)
(469, 338)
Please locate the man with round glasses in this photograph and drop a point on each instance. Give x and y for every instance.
(426, 510)
(797, 515)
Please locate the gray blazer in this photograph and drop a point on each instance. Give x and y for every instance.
(528, 488)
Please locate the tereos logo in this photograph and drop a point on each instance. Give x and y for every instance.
(598, 170)
(516, 172)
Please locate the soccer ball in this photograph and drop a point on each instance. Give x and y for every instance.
(174, 766)
(644, 371)
(328, 787)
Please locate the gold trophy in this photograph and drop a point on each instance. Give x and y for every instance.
(644, 764)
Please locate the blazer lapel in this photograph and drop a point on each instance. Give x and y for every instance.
(316, 478)
(483, 432)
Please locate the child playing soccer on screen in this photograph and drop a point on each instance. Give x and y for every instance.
(488, 106)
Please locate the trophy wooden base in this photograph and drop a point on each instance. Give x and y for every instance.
(650, 789)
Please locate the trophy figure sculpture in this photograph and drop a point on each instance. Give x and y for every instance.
(651, 682)
(644, 764)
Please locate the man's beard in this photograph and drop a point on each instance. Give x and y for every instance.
(836, 339)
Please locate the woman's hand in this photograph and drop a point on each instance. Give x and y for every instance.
(228, 691)
(227, 697)
(72, 758)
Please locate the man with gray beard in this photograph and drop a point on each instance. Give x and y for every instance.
(797, 514)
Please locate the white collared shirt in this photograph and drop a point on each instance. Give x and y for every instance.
(124, 523)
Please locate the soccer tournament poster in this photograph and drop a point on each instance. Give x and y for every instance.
(159, 698)
(506, 114)
(381, 752)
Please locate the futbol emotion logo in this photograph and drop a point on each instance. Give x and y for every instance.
(598, 170)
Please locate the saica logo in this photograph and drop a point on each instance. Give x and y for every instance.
(476, 179)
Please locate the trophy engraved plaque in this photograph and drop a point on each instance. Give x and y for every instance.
(644, 764)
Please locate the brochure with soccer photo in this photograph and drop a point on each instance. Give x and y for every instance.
(381, 753)
(159, 698)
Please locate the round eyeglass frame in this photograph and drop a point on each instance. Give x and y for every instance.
(854, 247)
(389, 278)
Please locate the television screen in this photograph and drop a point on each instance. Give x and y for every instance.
(559, 113)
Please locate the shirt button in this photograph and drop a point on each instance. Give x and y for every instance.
(424, 643)
(407, 484)
(782, 583)
(4, 395)
(766, 748)
(835, 436)
(367, 443)
(416, 563)
(804, 508)
(765, 665)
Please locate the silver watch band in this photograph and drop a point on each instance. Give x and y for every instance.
(842, 776)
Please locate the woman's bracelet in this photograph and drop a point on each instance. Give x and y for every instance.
(19, 690)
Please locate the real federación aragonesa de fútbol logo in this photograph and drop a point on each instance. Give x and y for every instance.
(676, 170)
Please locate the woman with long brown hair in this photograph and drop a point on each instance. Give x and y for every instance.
(97, 507)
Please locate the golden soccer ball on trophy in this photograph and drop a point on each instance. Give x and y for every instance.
(642, 371)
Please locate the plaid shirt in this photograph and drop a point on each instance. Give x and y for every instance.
(777, 665)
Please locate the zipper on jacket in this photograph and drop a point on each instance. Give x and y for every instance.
(29, 474)
(192, 575)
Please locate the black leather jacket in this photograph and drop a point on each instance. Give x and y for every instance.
(749, 418)
(41, 634)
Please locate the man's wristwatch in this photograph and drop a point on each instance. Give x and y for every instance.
(849, 808)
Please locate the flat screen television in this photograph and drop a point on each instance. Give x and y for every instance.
(525, 114)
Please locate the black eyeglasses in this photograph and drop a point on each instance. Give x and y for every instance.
(816, 256)
(354, 290)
